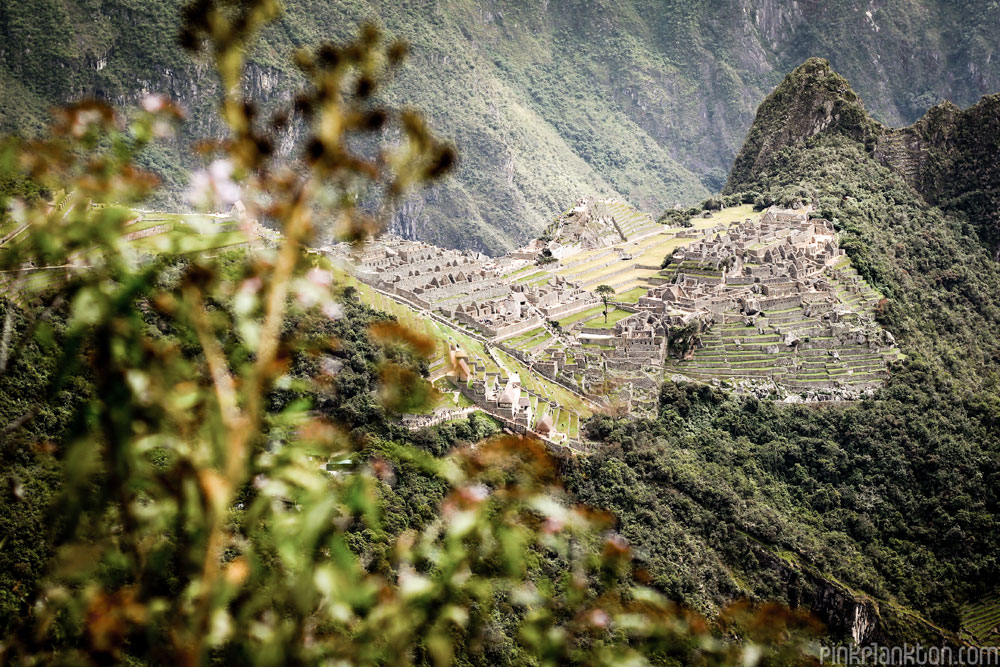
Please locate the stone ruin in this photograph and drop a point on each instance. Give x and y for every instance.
(769, 306)
(776, 299)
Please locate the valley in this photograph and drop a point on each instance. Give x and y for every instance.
(645, 102)
(557, 413)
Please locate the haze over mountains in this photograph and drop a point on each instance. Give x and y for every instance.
(644, 100)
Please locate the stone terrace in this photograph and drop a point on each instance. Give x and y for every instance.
(776, 304)
(762, 302)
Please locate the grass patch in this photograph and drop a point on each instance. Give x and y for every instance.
(614, 316)
(182, 242)
(582, 315)
(632, 296)
(520, 338)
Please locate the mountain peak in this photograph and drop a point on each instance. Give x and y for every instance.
(948, 156)
(813, 98)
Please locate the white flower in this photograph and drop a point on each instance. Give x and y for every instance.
(154, 103)
(162, 129)
(214, 188)
(251, 285)
(599, 618)
(475, 494)
(319, 277)
(413, 585)
(333, 310)
(83, 120)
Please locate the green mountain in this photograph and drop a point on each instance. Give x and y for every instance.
(880, 515)
(948, 156)
(547, 101)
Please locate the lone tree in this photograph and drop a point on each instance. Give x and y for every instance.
(605, 292)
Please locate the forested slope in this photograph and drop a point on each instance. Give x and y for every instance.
(879, 516)
(547, 101)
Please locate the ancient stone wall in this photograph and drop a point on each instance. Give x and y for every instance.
(571, 308)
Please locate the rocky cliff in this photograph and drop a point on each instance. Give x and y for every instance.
(846, 614)
(949, 155)
(548, 101)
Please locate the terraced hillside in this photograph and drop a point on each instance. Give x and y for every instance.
(759, 301)
(177, 233)
(737, 352)
(825, 347)
(981, 621)
(147, 232)
(595, 223)
(633, 249)
(565, 408)
(814, 337)
(632, 261)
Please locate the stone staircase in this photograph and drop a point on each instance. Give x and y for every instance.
(901, 150)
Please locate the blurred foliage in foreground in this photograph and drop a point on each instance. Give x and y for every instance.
(199, 462)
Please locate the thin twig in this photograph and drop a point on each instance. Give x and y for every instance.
(233, 420)
(8, 326)
(19, 422)
(218, 367)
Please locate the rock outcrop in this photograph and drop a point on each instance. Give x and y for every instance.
(811, 99)
(949, 155)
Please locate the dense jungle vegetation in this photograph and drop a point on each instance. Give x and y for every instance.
(144, 521)
(893, 497)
